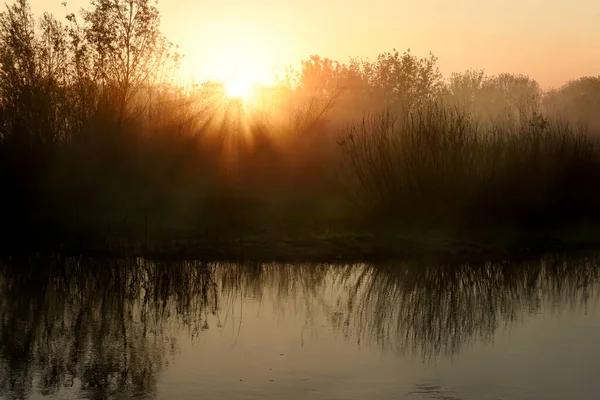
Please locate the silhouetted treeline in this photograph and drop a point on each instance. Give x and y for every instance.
(99, 147)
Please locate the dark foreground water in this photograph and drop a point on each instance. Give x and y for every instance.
(136, 328)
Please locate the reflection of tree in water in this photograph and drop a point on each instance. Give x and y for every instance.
(433, 310)
(103, 324)
(106, 327)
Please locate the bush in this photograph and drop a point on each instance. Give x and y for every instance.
(438, 166)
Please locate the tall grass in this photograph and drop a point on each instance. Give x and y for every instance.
(438, 166)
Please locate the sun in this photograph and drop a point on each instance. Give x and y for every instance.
(238, 89)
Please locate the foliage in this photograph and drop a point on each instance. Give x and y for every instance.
(491, 97)
(577, 102)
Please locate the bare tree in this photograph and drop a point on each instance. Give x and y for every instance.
(18, 71)
(127, 46)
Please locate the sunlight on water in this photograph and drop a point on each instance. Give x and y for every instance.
(75, 328)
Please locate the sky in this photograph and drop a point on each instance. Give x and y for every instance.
(552, 41)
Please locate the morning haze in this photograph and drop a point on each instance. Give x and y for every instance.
(553, 41)
(383, 200)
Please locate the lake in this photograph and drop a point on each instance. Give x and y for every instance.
(86, 328)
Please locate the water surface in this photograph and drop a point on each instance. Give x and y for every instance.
(135, 328)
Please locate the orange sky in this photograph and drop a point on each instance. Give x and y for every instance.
(550, 40)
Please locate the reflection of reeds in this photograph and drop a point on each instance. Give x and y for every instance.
(111, 324)
(433, 310)
(106, 323)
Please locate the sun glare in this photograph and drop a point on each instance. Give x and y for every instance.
(242, 61)
(238, 89)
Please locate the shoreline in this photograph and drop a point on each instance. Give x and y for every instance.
(337, 249)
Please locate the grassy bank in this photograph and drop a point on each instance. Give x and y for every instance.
(321, 247)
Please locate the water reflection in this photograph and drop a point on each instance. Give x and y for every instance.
(108, 327)
(432, 310)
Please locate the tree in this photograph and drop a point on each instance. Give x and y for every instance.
(509, 93)
(464, 88)
(19, 72)
(127, 47)
(363, 86)
(492, 96)
(577, 102)
(404, 80)
(317, 88)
